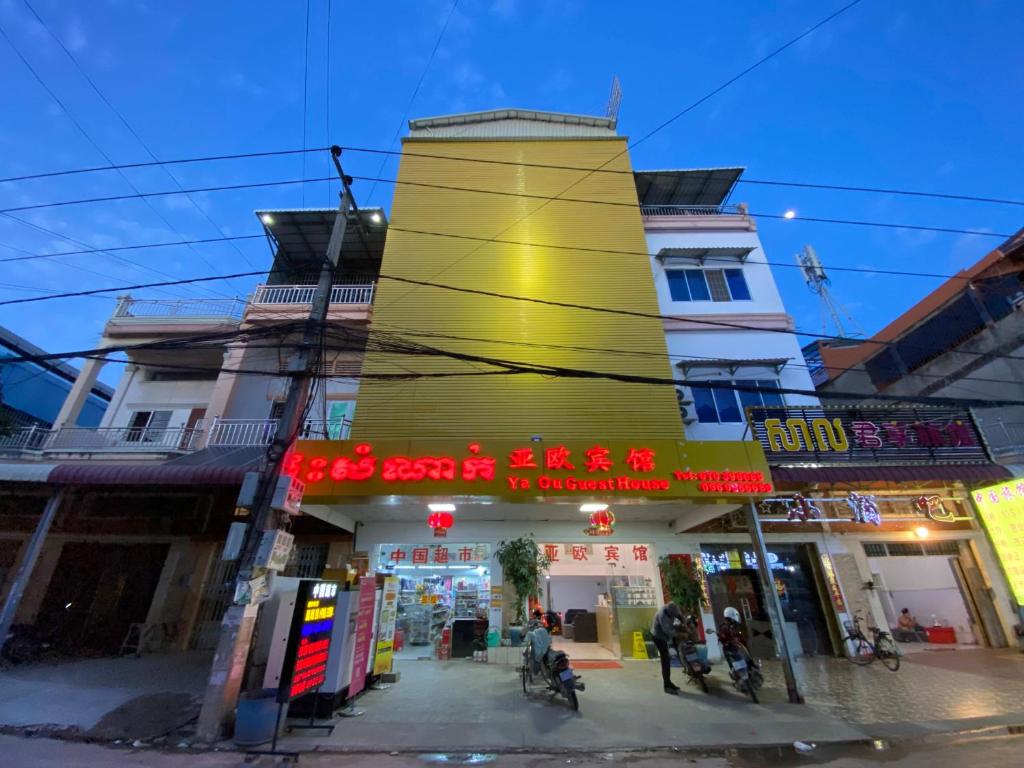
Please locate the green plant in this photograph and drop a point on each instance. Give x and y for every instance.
(681, 583)
(522, 564)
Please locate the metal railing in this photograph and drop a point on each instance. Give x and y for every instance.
(689, 210)
(25, 439)
(303, 294)
(134, 439)
(247, 432)
(127, 307)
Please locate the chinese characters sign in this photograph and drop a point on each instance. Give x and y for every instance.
(599, 557)
(1002, 510)
(309, 642)
(433, 555)
(867, 435)
(528, 470)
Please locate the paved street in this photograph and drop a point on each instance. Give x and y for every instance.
(464, 706)
(993, 750)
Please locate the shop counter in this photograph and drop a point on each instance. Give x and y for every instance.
(941, 635)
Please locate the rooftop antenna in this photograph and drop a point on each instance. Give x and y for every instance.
(614, 99)
(818, 282)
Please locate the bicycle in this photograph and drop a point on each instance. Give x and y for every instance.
(865, 651)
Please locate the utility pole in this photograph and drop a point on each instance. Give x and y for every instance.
(772, 604)
(232, 652)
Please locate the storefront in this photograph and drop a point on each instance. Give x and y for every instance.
(883, 498)
(602, 512)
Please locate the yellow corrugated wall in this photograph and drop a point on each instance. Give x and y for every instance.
(519, 406)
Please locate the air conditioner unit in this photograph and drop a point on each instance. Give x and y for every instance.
(1017, 300)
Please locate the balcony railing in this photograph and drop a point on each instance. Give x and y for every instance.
(689, 210)
(303, 294)
(25, 439)
(127, 307)
(248, 432)
(133, 439)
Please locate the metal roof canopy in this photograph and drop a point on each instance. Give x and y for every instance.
(491, 115)
(700, 255)
(698, 186)
(733, 365)
(300, 236)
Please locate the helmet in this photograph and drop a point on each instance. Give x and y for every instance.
(732, 614)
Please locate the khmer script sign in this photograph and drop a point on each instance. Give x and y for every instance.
(867, 436)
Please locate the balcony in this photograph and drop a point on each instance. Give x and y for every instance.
(102, 439)
(303, 294)
(253, 432)
(274, 303)
(700, 217)
(1003, 430)
(202, 309)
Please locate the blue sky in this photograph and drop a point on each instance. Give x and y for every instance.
(917, 94)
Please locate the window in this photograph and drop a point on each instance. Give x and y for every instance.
(725, 406)
(707, 285)
(911, 548)
(147, 426)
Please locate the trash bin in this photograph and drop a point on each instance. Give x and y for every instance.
(257, 717)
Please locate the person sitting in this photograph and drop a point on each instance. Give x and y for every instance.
(909, 630)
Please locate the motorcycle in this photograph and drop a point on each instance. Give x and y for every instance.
(692, 663)
(744, 669)
(551, 666)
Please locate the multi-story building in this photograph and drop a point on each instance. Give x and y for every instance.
(964, 339)
(32, 393)
(539, 333)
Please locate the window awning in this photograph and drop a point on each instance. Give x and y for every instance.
(717, 256)
(210, 466)
(733, 365)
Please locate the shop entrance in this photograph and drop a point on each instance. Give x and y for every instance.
(733, 580)
(442, 587)
(97, 592)
(597, 595)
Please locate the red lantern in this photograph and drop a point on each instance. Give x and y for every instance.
(601, 523)
(440, 522)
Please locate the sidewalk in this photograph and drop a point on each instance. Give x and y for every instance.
(466, 706)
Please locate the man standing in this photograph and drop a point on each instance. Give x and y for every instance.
(667, 622)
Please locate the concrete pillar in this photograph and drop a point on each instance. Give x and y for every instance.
(80, 390)
(220, 398)
(988, 564)
(874, 602)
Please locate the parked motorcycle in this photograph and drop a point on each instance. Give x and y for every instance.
(744, 669)
(540, 660)
(690, 658)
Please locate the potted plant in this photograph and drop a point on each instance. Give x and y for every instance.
(522, 564)
(681, 584)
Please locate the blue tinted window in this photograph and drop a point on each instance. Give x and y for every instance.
(770, 399)
(677, 285)
(725, 399)
(737, 284)
(705, 403)
(749, 399)
(698, 286)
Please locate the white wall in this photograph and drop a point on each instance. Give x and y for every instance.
(136, 393)
(729, 344)
(927, 587)
(764, 296)
(252, 396)
(565, 592)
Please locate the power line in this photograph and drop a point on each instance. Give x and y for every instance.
(141, 246)
(415, 93)
(763, 60)
(129, 127)
(89, 138)
(560, 371)
(547, 198)
(54, 233)
(740, 180)
(155, 163)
